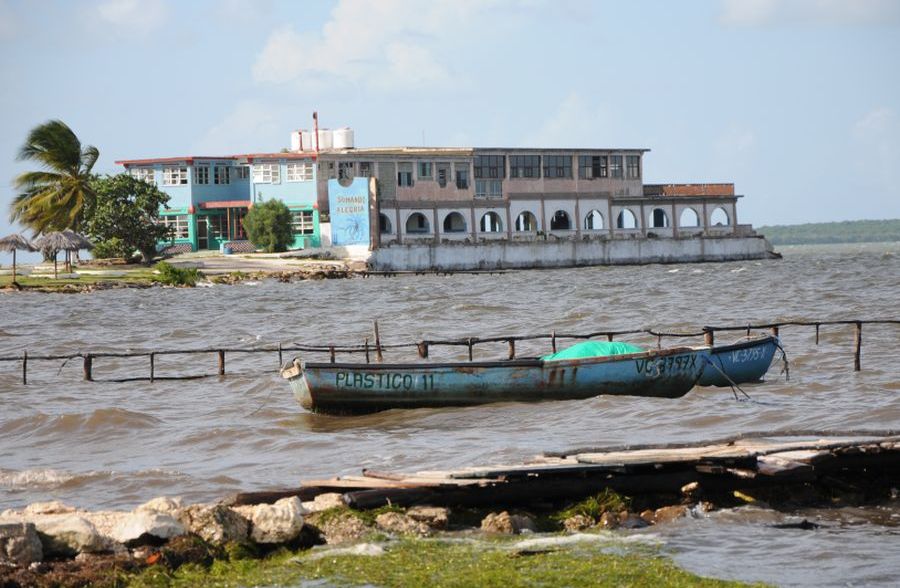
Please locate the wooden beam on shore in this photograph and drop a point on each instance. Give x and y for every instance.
(858, 350)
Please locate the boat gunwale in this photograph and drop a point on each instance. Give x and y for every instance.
(510, 363)
(759, 340)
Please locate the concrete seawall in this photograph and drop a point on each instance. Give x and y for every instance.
(459, 256)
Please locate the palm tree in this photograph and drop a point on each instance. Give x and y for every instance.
(53, 198)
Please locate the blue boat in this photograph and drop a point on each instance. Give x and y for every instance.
(739, 363)
(354, 387)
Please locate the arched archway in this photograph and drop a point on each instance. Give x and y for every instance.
(560, 221)
(526, 222)
(417, 223)
(719, 218)
(454, 223)
(593, 221)
(384, 224)
(659, 219)
(490, 222)
(689, 218)
(626, 220)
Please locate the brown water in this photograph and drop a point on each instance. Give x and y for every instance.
(105, 445)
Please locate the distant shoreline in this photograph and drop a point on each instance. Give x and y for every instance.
(834, 233)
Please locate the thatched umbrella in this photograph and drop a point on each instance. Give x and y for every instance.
(53, 243)
(12, 243)
(77, 239)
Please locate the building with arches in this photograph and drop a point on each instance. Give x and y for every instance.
(459, 208)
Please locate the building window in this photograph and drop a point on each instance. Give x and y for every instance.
(524, 166)
(201, 173)
(365, 169)
(175, 176)
(243, 172)
(222, 174)
(490, 166)
(425, 170)
(345, 170)
(302, 222)
(417, 223)
(615, 166)
(490, 223)
(405, 175)
(491, 189)
(557, 166)
(526, 222)
(178, 223)
(634, 167)
(143, 173)
(443, 174)
(384, 224)
(266, 173)
(300, 171)
(462, 177)
(592, 166)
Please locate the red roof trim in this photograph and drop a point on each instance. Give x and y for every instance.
(189, 159)
(226, 204)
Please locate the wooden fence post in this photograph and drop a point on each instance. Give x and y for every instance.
(331, 355)
(280, 356)
(25, 368)
(378, 356)
(512, 349)
(423, 349)
(609, 336)
(709, 337)
(553, 341)
(221, 362)
(775, 331)
(152, 366)
(470, 348)
(88, 368)
(856, 358)
(367, 350)
(817, 333)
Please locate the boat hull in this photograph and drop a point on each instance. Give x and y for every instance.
(351, 388)
(747, 361)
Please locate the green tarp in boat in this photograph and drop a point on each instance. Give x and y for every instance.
(594, 349)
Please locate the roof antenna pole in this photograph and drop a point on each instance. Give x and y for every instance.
(316, 129)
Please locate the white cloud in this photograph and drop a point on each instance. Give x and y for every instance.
(877, 149)
(249, 124)
(574, 123)
(837, 12)
(129, 17)
(380, 43)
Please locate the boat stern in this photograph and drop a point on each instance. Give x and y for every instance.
(294, 374)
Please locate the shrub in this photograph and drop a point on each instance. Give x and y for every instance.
(114, 247)
(268, 226)
(176, 276)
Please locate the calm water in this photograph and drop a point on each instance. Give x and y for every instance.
(106, 445)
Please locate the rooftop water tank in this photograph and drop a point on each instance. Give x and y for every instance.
(296, 144)
(307, 140)
(325, 142)
(343, 138)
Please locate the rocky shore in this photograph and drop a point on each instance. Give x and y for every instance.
(54, 544)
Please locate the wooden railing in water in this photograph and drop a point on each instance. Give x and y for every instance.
(422, 347)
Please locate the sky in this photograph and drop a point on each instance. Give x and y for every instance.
(797, 102)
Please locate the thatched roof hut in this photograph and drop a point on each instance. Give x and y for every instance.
(13, 243)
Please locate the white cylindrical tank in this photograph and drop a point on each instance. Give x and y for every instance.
(325, 142)
(307, 140)
(343, 138)
(296, 144)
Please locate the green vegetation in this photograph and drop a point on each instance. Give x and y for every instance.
(177, 276)
(54, 197)
(121, 217)
(268, 226)
(864, 231)
(443, 563)
(594, 506)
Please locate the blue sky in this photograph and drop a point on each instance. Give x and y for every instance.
(795, 101)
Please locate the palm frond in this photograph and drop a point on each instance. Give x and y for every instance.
(89, 156)
(54, 145)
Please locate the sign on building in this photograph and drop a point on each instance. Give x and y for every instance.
(349, 212)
